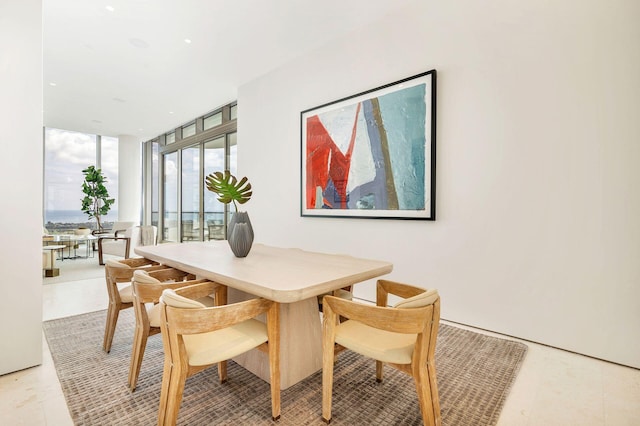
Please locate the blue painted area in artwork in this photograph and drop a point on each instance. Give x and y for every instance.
(330, 193)
(371, 195)
(403, 116)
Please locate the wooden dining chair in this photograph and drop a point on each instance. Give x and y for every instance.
(147, 289)
(196, 337)
(345, 293)
(403, 336)
(118, 273)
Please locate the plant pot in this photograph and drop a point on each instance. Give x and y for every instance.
(240, 234)
(82, 231)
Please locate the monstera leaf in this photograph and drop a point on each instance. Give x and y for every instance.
(228, 188)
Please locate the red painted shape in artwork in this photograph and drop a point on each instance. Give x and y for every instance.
(319, 147)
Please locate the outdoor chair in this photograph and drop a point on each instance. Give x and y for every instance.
(403, 336)
(121, 296)
(196, 337)
(147, 289)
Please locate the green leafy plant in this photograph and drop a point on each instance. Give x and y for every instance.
(228, 188)
(96, 201)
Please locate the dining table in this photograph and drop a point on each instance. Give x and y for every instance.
(290, 276)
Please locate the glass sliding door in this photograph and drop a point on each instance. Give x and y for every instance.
(155, 192)
(232, 161)
(190, 194)
(214, 161)
(175, 165)
(170, 198)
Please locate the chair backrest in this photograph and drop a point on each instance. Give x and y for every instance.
(184, 317)
(148, 235)
(148, 286)
(171, 298)
(122, 272)
(418, 301)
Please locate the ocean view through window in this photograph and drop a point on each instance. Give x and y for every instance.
(66, 154)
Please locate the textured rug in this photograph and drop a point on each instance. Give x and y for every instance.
(475, 373)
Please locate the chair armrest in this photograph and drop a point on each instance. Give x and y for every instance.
(386, 287)
(382, 318)
(126, 249)
(200, 290)
(138, 262)
(203, 320)
(150, 293)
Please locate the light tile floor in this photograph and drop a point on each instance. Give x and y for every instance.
(554, 387)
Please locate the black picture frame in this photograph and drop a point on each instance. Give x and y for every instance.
(372, 154)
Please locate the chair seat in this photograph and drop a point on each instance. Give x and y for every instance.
(153, 312)
(381, 345)
(224, 344)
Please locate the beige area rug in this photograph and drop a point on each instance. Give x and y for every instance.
(78, 269)
(475, 373)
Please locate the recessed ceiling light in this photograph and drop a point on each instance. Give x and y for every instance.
(119, 100)
(140, 44)
(170, 112)
(97, 121)
(110, 8)
(52, 84)
(187, 40)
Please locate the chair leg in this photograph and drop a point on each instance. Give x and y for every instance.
(137, 353)
(110, 328)
(328, 355)
(435, 396)
(273, 331)
(222, 371)
(423, 388)
(379, 365)
(174, 395)
(164, 390)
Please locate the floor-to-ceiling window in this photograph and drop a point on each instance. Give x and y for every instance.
(170, 197)
(66, 154)
(177, 163)
(190, 193)
(154, 200)
(214, 161)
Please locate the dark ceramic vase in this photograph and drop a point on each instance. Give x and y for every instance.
(240, 234)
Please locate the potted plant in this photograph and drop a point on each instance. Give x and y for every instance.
(96, 201)
(230, 190)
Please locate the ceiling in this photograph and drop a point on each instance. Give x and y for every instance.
(123, 67)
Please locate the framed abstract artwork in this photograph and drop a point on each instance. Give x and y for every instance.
(373, 154)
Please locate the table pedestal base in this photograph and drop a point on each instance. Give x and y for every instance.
(300, 342)
(52, 272)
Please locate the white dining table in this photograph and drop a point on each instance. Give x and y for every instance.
(290, 276)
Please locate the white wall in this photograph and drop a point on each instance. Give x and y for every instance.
(21, 162)
(537, 232)
(129, 172)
